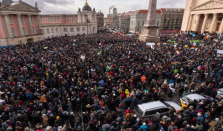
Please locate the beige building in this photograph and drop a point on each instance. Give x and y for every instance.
(19, 23)
(166, 19)
(84, 22)
(138, 18)
(203, 16)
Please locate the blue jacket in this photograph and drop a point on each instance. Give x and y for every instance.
(102, 83)
(144, 127)
(200, 119)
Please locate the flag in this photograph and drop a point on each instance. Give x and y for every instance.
(177, 52)
(196, 41)
(165, 44)
(45, 48)
(192, 48)
(100, 51)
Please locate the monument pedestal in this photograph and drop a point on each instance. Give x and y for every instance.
(149, 34)
(149, 38)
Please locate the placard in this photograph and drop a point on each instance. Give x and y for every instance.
(220, 51)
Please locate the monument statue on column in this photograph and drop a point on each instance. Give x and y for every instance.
(150, 29)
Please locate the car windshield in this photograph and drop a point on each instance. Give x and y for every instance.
(139, 110)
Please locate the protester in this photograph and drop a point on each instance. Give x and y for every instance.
(94, 82)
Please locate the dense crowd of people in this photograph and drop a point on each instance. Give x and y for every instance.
(93, 82)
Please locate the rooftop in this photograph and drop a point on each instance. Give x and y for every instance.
(127, 14)
(151, 105)
(173, 10)
(195, 97)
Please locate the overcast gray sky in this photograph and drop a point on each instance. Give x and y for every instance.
(71, 6)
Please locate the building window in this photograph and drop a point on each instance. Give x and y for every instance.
(24, 31)
(22, 20)
(71, 29)
(65, 29)
(13, 32)
(83, 28)
(157, 23)
(10, 20)
(220, 18)
(33, 29)
(31, 19)
(42, 30)
(52, 30)
(142, 23)
(138, 29)
(47, 31)
(57, 30)
(78, 28)
(138, 23)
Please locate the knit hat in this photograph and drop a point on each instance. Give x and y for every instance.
(58, 117)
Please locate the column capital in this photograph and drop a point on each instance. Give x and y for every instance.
(215, 14)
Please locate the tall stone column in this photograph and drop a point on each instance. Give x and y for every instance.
(7, 26)
(213, 22)
(190, 21)
(197, 23)
(19, 24)
(221, 27)
(150, 28)
(29, 25)
(204, 23)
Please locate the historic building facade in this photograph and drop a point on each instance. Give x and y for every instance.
(203, 16)
(124, 21)
(100, 20)
(84, 22)
(19, 23)
(138, 18)
(166, 19)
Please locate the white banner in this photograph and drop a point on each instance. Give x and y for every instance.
(220, 51)
(150, 44)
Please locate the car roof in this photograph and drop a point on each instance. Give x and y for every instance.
(195, 97)
(220, 89)
(151, 105)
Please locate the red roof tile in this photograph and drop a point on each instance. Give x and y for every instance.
(126, 14)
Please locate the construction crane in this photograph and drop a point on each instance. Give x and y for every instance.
(109, 18)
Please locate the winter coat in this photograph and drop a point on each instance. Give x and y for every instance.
(143, 127)
(45, 120)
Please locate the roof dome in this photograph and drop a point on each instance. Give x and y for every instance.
(86, 7)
